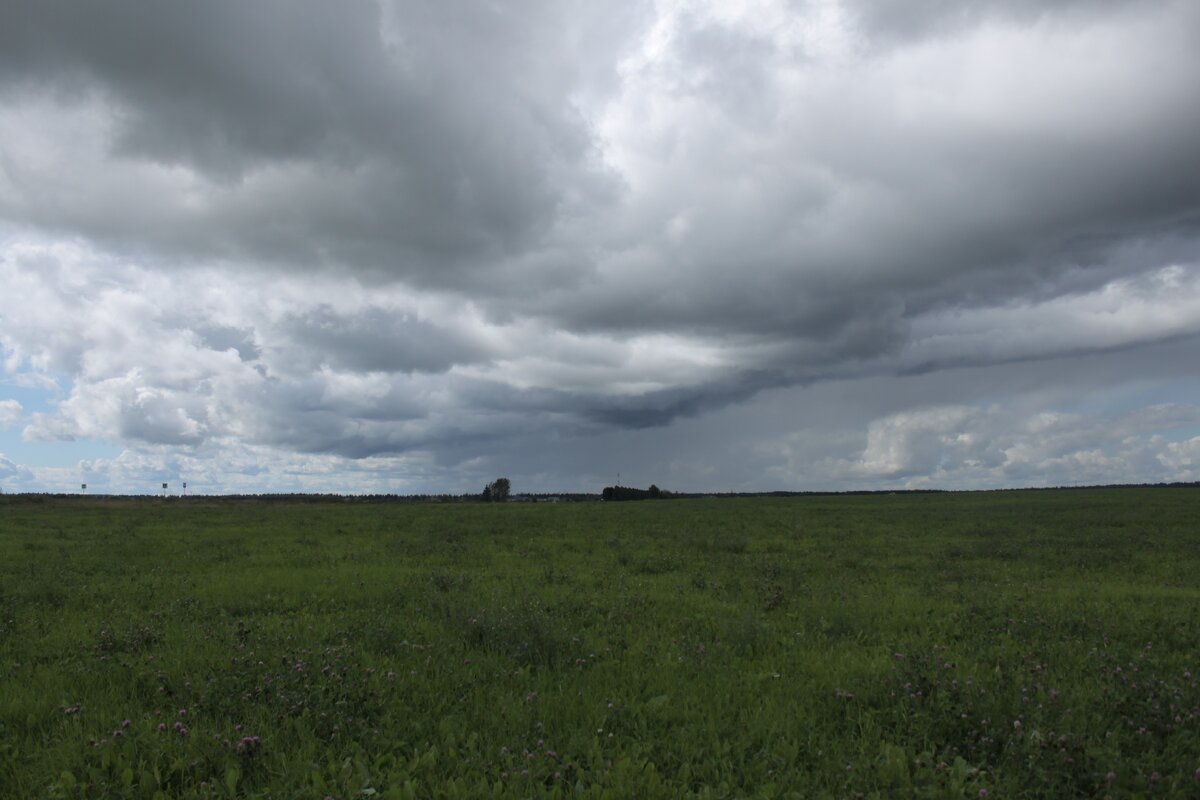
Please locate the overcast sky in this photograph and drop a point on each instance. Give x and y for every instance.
(782, 244)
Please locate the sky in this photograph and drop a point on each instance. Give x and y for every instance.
(410, 247)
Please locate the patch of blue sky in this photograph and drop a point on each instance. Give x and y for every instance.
(33, 399)
(44, 453)
(54, 453)
(1137, 395)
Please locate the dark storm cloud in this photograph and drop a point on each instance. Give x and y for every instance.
(441, 146)
(222, 337)
(217, 86)
(889, 22)
(402, 418)
(905, 181)
(661, 407)
(409, 140)
(377, 339)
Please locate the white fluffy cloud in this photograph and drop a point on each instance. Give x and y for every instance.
(993, 447)
(10, 412)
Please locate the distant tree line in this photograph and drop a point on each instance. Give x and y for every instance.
(630, 493)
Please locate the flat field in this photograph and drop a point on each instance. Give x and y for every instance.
(1004, 645)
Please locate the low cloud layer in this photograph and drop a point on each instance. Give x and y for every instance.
(404, 247)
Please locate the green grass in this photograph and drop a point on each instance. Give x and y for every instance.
(1022, 644)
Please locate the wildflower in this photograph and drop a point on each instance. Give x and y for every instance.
(1110, 777)
(1017, 724)
(183, 712)
(983, 792)
(248, 744)
(118, 735)
(162, 726)
(125, 723)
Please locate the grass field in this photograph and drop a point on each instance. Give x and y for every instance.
(1004, 645)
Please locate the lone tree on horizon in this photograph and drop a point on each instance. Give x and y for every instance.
(497, 491)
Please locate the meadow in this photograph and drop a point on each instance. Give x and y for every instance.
(1004, 645)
